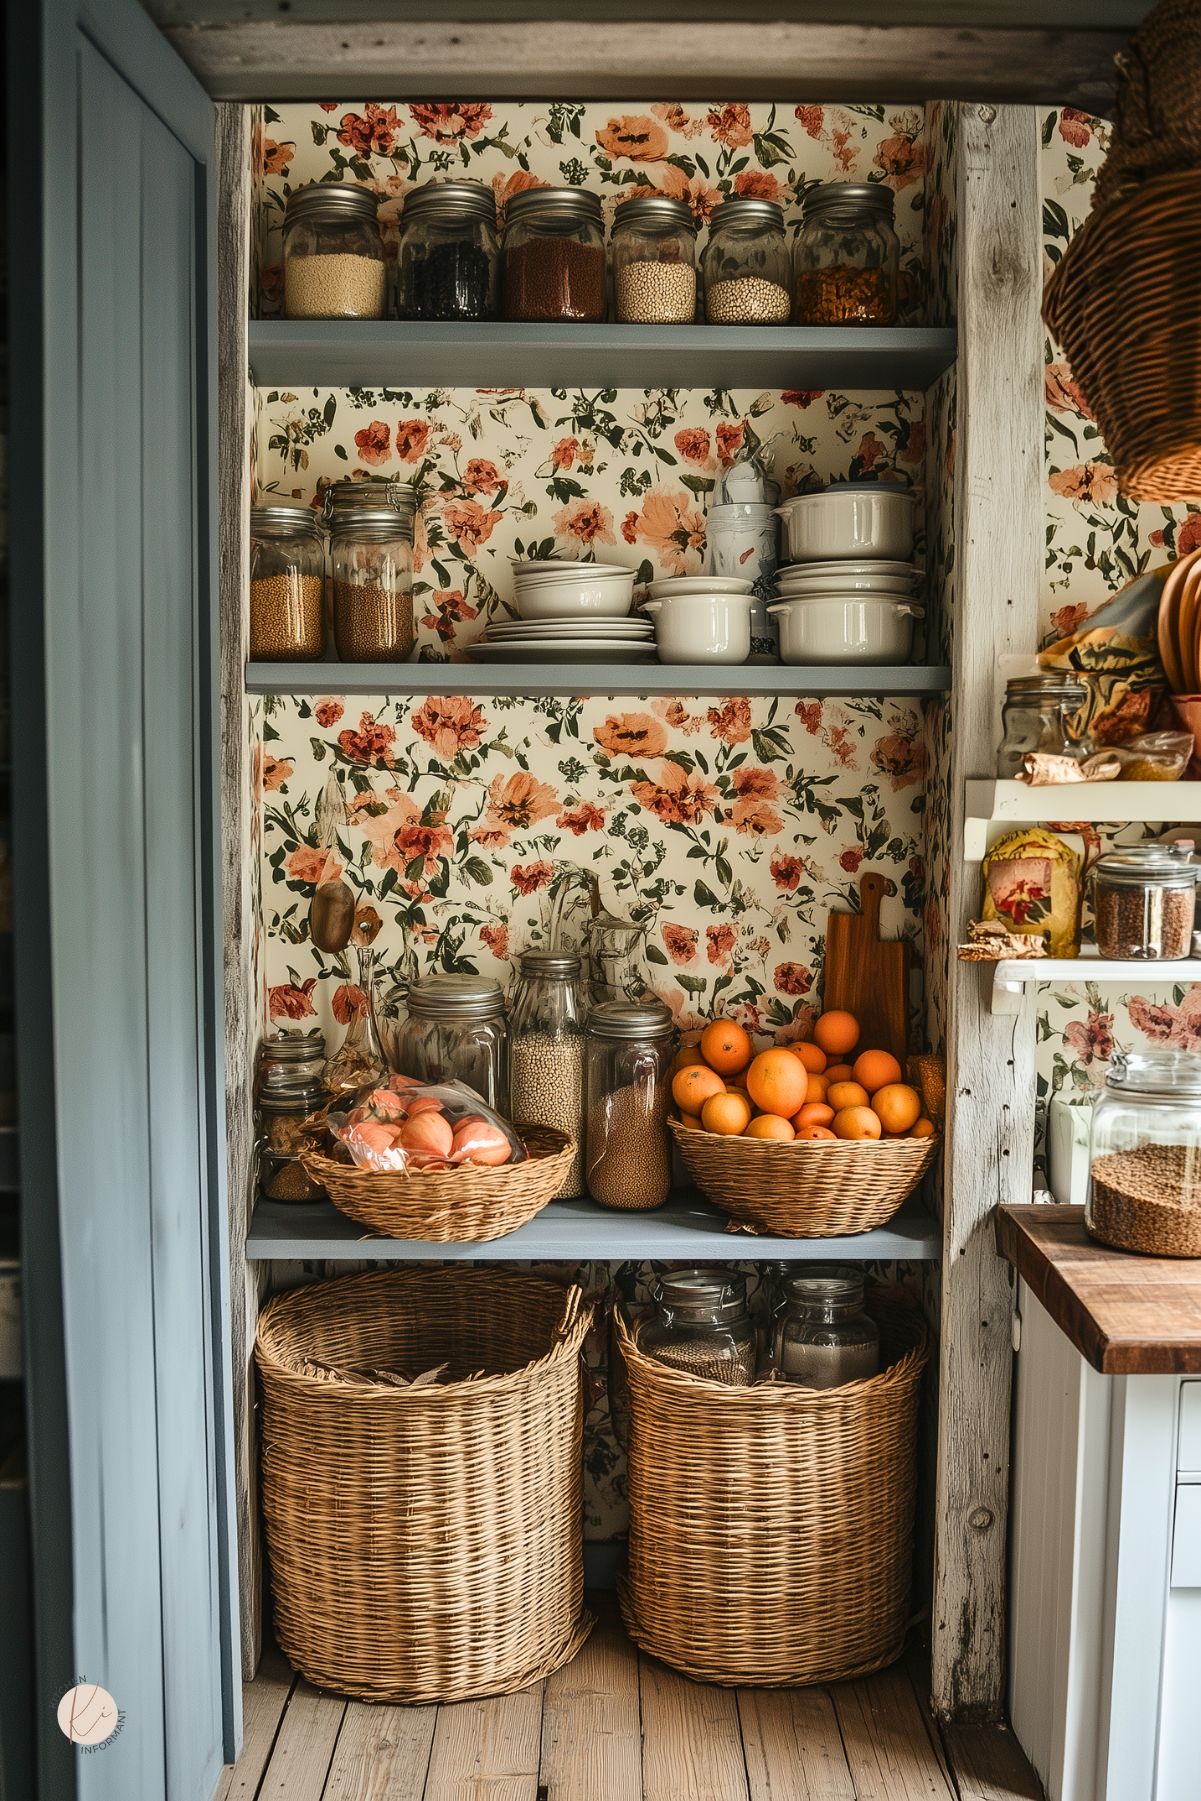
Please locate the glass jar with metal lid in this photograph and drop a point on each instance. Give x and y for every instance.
(1144, 1190)
(824, 1336)
(333, 254)
(546, 1050)
(448, 264)
(702, 1324)
(553, 255)
(846, 255)
(287, 583)
(653, 257)
(290, 1093)
(746, 266)
(626, 1097)
(457, 1030)
(289, 1062)
(1037, 715)
(1144, 901)
(371, 566)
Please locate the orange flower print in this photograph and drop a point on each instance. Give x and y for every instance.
(851, 859)
(634, 136)
(731, 722)
(309, 864)
(680, 943)
(581, 819)
(809, 712)
(673, 527)
(327, 712)
(497, 940)
(412, 436)
(631, 735)
(349, 1002)
(449, 604)
(398, 834)
(758, 184)
(1087, 484)
(374, 442)
(564, 454)
(469, 524)
(915, 446)
(450, 724)
(719, 942)
(787, 872)
(275, 771)
(679, 718)
(677, 798)
(802, 397)
(629, 528)
(676, 119)
(585, 520)
(505, 186)
(372, 743)
(516, 802)
(793, 978)
(693, 445)
(1075, 127)
(870, 451)
(451, 123)
(482, 477)
(1068, 619)
(274, 158)
(1063, 392)
(372, 130)
(697, 190)
(529, 878)
(1189, 535)
(290, 1001)
(812, 119)
(729, 441)
(750, 813)
(759, 783)
(901, 161)
(731, 125)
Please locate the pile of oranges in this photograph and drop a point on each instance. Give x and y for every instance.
(810, 1090)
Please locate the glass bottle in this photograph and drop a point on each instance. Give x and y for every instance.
(1144, 902)
(546, 1051)
(847, 255)
(746, 266)
(824, 1337)
(702, 1325)
(616, 951)
(449, 260)
(457, 1031)
(333, 254)
(371, 565)
(1144, 1188)
(627, 1094)
(359, 1058)
(553, 255)
(653, 257)
(287, 584)
(1037, 715)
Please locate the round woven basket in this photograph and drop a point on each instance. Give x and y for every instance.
(815, 1188)
(469, 1205)
(771, 1528)
(424, 1541)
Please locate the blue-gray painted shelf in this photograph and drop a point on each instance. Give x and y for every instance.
(594, 678)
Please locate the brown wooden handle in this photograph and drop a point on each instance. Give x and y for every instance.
(872, 889)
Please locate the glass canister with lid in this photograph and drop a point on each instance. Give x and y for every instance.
(702, 1324)
(546, 1051)
(287, 583)
(847, 255)
(333, 254)
(553, 255)
(456, 1030)
(290, 1093)
(746, 266)
(449, 261)
(824, 1336)
(1144, 1188)
(371, 567)
(626, 1096)
(1037, 715)
(653, 255)
(1144, 901)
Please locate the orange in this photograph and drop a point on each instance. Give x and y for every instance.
(876, 1069)
(691, 1087)
(837, 1032)
(777, 1082)
(686, 1057)
(846, 1094)
(816, 1132)
(815, 1089)
(692, 1120)
(813, 1113)
(899, 1107)
(726, 1047)
(728, 1114)
(811, 1055)
(856, 1122)
(923, 1129)
(769, 1125)
(840, 1072)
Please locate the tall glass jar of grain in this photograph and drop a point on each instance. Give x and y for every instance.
(1144, 1180)
(653, 257)
(371, 566)
(333, 254)
(846, 256)
(449, 261)
(746, 266)
(627, 1149)
(702, 1325)
(546, 1051)
(287, 583)
(553, 255)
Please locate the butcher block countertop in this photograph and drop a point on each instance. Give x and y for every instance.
(1128, 1315)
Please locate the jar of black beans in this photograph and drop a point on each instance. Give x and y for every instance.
(447, 266)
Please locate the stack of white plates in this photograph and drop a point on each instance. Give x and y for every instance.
(551, 590)
(572, 640)
(805, 581)
(672, 585)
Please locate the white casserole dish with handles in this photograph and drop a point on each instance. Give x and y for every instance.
(848, 628)
(698, 628)
(849, 522)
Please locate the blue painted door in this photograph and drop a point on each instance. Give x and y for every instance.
(115, 850)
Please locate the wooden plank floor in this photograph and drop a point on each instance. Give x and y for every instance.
(614, 1726)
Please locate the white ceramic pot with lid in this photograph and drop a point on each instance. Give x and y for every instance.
(849, 521)
(847, 628)
(697, 628)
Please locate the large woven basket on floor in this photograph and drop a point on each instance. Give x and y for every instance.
(450, 1206)
(808, 1188)
(425, 1542)
(771, 1528)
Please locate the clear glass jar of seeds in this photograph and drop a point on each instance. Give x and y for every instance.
(824, 1337)
(653, 258)
(746, 266)
(546, 1051)
(1144, 902)
(702, 1325)
(1144, 1187)
(846, 255)
(371, 566)
(627, 1154)
(449, 260)
(333, 254)
(287, 584)
(553, 255)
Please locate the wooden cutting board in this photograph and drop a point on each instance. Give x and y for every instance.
(868, 975)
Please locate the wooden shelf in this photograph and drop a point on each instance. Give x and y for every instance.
(359, 353)
(1012, 976)
(594, 678)
(579, 1231)
(991, 801)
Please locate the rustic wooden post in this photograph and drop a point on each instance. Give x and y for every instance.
(998, 529)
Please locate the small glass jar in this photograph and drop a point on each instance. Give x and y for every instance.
(1037, 715)
(653, 254)
(288, 1061)
(823, 1336)
(287, 584)
(746, 266)
(290, 1093)
(847, 255)
(1144, 902)
(457, 1031)
(371, 568)
(333, 254)
(1144, 1188)
(702, 1324)
(627, 1095)
(546, 1051)
(553, 255)
(448, 266)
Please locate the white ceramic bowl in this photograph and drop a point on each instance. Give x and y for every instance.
(526, 566)
(848, 628)
(699, 584)
(854, 522)
(697, 628)
(576, 598)
(798, 587)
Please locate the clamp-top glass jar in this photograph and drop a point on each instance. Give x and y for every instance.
(653, 257)
(371, 564)
(457, 1031)
(290, 1092)
(287, 583)
(1037, 715)
(448, 264)
(1144, 1189)
(1145, 901)
(823, 1335)
(553, 255)
(846, 255)
(746, 265)
(333, 254)
(702, 1324)
(546, 1051)
(627, 1093)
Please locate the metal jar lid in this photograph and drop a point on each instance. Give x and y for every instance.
(717, 1294)
(294, 1047)
(285, 516)
(825, 1285)
(375, 502)
(555, 966)
(1157, 1072)
(334, 202)
(655, 209)
(454, 199)
(1049, 684)
(849, 196)
(554, 203)
(1146, 866)
(743, 210)
(467, 996)
(628, 1019)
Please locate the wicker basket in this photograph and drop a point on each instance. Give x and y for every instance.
(425, 1541)
(771, 1528)
(450, 1206)
(819, 1188)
